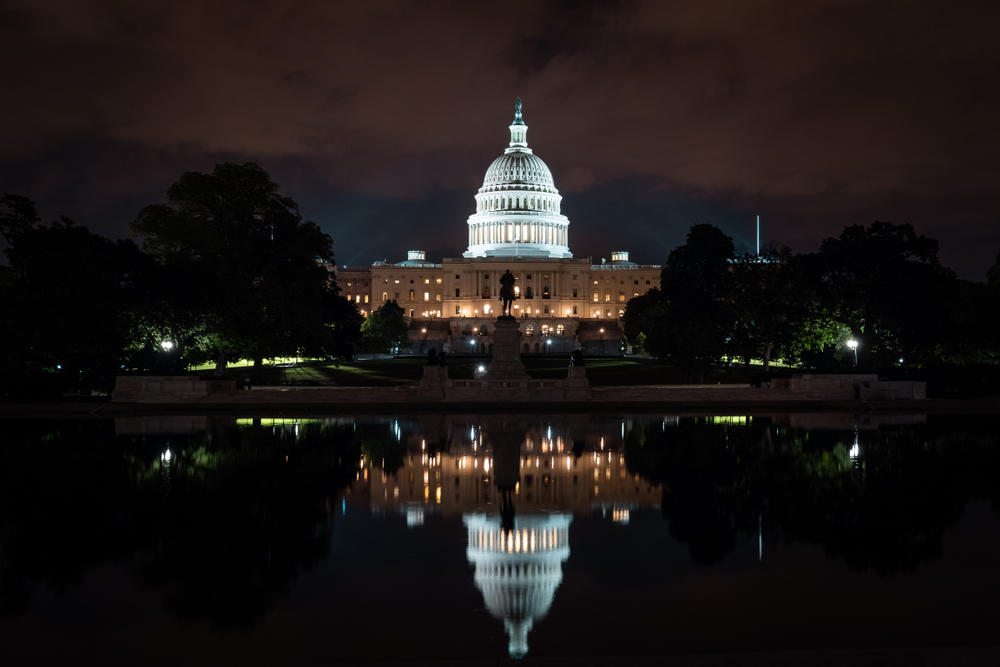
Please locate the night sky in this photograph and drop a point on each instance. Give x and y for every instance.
(380, 118)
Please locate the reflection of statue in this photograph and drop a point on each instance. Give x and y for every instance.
(507, 281)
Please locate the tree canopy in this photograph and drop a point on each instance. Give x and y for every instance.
(253, 279)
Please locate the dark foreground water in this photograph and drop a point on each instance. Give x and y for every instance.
(264, 540)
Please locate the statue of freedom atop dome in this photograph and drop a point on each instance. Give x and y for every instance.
(507, 281)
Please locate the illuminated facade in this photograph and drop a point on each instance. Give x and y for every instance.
(517, 225)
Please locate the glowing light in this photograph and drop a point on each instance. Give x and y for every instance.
(481, 368)
(167, 456)
(167, 345)
(852, 344)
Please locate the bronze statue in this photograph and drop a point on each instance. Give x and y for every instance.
(507, 281)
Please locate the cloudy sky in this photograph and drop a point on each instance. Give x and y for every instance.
(381, 117)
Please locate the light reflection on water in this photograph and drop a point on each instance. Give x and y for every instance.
(224, 517)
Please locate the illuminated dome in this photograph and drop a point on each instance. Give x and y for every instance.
(518, 170)
(517, 209)
(518, 571)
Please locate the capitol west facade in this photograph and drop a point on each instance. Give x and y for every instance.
(561, 303)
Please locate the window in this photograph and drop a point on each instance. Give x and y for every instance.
(397, 281)
(545, 292)
(411, 281)
(635, 294)
(597, 296)
(574, 292)
(366, 298)
(458, 292)
(560, 329)
(411, 312)
(621, 297)
(458, 310)
(437, 280)
(595, 282)
(385, 296)
(427, 281)
(607, 297)
(635, 282)
(647, 282)
(529, 276)
(546, 310)
(411, 295)
(348, 283)
(458, 276)
(427, 296)
(574, 310)
(395, 296)
(437, 297)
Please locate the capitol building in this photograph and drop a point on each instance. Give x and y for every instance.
(561, 303)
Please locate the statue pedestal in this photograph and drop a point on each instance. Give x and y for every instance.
(506, 364)
(433, 380)
(577, 384)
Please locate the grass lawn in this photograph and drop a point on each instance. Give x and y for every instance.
(602, 371)
(369, 373)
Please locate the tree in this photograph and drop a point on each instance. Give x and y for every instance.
(257, 275)
(778, 311)
(885, 283)
(993, 275)
(697, 288)
(384, 329)
(65, 325)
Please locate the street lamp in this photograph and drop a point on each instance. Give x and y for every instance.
(853, 345)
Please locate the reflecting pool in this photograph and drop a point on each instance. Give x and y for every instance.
(283, 539)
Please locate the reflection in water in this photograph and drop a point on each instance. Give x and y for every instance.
(518, 570)
(516, 486)
(220, 517)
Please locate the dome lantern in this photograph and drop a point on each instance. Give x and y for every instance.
(518, 131)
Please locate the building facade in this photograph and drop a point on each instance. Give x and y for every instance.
(562, 303)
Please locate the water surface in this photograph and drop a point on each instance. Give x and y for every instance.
(294, 540)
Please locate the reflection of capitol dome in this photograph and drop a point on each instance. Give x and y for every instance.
(518, 207)
(518, 571)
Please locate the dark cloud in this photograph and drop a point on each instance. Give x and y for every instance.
(652, 115)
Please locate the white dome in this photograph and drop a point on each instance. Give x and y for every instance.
(518, 169)
(518, 207)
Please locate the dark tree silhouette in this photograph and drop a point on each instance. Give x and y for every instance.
(265, 274)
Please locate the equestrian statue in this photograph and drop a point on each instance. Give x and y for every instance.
(507, 281)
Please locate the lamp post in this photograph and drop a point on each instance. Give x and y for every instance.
(853, 344)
